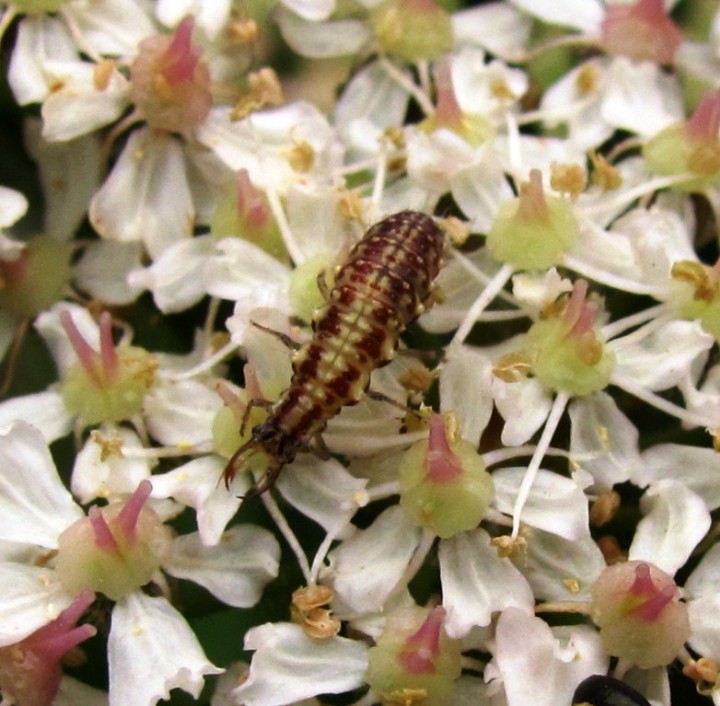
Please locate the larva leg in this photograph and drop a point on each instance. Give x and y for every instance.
(255, 402)
(319, 448)
(382, 397)
(284, 338)
(325, 281)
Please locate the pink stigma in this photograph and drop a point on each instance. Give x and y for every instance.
(250, 203)
(704, 123)
(127, 519)
(104, 539)
(579, 314)
(644, 586)
(180, 58)
(87, 357)
(443, 465)
(424, 645)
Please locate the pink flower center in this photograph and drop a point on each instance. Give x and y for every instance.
(423, 646)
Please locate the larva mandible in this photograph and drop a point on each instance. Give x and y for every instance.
(382, 287)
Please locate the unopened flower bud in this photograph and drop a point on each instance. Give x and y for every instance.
(115, 549)
(641, 619)
(444, 485)
(690, 148)
(566, 352)
(414, 661)
(109, 384)
(534, 230)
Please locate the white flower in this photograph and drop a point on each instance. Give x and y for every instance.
(141, 625)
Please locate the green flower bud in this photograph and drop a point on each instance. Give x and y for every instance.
(532, 231)
(637, 608)
(443, 483)
(414, 661)
(115, 549)
(243, 211)
(689, 148)
(566, 354)
(697, 294)
(108, 385)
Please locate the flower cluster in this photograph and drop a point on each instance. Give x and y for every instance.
(518, 510)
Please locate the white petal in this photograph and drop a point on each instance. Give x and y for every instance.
(197, 484)
(152, 650)
(240, 271)
(262, 142)
(35, 507)
(524, 405)
(105, 269)
(181, 413)
(311, 10)
(676, 519)
(366, 567)
(603, 441)
(584, 15)
(479, 189)
(146, 197)
(97, 476)
(322, 39)
(371, 98)
(555, 504)
(30, 597)
(704, 616)
(317, 223)
(289, 666)
(695, 467)
(662, 358)
(39, 38)
(175, 277)
(323, 491)
(236, 570)
(704, 579)
(560, 569)
(465, 389)
(641, 97)
(475, 83)
(113, 27)
(210, 15)
(526, 646)
(77, 107)
(44, 410)
(495, 26)
(476, 582)
(13, 206)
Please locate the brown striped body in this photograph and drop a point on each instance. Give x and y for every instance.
(379, 290)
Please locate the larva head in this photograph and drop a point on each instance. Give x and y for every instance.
(267, 451)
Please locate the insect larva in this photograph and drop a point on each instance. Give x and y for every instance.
(381, 288)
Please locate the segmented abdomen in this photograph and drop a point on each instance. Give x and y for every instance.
(381, 288)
